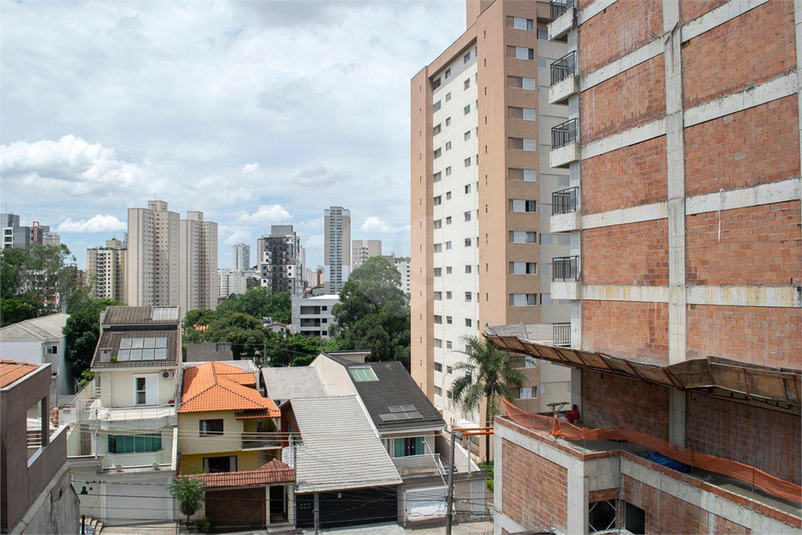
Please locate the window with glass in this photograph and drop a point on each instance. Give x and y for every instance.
(210, 427)
(134, 443)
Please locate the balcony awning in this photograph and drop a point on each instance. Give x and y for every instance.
(738, 379)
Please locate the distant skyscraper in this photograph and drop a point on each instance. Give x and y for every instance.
(153, 250)
(105, 270)
(280, 261)
(241, 255)
(16, 235)
(363, 249)
(337, 253)
(197, 261)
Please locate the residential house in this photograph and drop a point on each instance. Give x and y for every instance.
(229, 434)
(35, 491)
(123, 446)
(339, 462)
(206, 351)
(39, 341)
(282, 384)
(412, 431)
(313, 316)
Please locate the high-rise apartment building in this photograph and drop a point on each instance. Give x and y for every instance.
(279, 260)
(105, 270)
(684, 276)
(481, 186)
(337, 247)
(361, 250)
(241, 257)
(16, 235)
(197, 259)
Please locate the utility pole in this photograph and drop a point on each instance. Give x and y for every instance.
(317, 513)
(450, 513)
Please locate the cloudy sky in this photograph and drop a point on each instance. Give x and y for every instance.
(254, 112)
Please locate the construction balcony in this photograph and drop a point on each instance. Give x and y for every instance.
(260, 441)
(151, 417)
(564, 79)
(417, 465)
(564, 144)
(563, 18)
(565, 216)
(565, 283)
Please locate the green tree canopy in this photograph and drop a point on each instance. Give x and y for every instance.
(373, 313)
(82, 331)
(260, 302)
(487, 374)
(296, 349)
(245, 332)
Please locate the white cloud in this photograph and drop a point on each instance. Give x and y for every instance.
(320, 176)
(250, 168)
(98, 223)
(313, 241)
(376, 225)
(265, 214)
(236, 234)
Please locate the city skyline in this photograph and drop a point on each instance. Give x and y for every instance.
(80, 173)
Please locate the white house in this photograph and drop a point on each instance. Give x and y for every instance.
(40, 341)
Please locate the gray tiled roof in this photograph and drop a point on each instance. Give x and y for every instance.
(293, 382)
(394, 388)
(133, 316)
(111, 340)
(340, 448)
(44, 328)
(208, 351)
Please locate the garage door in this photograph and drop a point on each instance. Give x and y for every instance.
(137, 502)
(423, 503)
(236, 509)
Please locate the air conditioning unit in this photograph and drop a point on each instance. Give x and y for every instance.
(168, 374)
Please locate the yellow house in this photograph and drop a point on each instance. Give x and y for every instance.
(224, 423)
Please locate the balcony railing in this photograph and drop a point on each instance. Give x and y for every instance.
(562, 334)
(427, 463)
(258, 441)
(563, 67)
(565, 268)
(564, 201)
(564, 133)
(558, 7)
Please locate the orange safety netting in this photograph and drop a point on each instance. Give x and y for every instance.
(742, 472)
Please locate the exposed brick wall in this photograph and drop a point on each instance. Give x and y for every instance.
(625, 329)
(756, 335)
(760, 43)
(632, 254)
(632, 98)
(629, 176)
(609, 401)
(758, 245)
(765, 150)
(535, 491)
(690, 9)
(722, 526)
(766, 439)
(620, 29)
(664, 512)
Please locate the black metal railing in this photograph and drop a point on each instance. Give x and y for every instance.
(562, 334)
(565, 268)
(564, 201)
(558, 7)
(564, 133)
(563, 68)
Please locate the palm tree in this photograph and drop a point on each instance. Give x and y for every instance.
(188, 492)
(487, 374)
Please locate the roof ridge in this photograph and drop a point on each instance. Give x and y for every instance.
(239, 393)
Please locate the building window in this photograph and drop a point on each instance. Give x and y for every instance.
(466, 58)
(524, 53)
(521, 205)
(523, 300)
(438, 200)
(438, 343)
(467, 109)
(602, 515)
(438, 367)
(523, 268)
(448, 270)
(448, 220)
(447, 74)
(436, 106)
(448, 171)
(134, 443)
(526, 175)
(467, 242)
(542, 34)
(527, 392)
(449, 320)
(466, 84)
(448, 97)
(448, 295)
(522, 236)
(468, 268)
(449, 369)
(530, 145)
(467, 162)
(52, 350)
(467, 188)
(449, 345)
(437, 392)
(210, 427)
(438, 320)
(448, 245)
(467, 135)
(467, 215)
(520, 23)
(213, 465)
(438, 272)
(438, 296)
(438, 247)
(436, 84)
(519, 82)
(437, 129)
(448, 145)
(468, 297)
(448, 195)
(468, 322)
(437, 153)
(363, 374)
(448, 121)
(438, 176)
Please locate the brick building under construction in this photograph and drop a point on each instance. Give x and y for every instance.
(684, 213)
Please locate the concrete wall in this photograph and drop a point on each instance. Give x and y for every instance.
(190, 441)
(334, 376)
(56, 511)
(117, 386)
(34, 351)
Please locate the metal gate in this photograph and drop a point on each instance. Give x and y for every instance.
(236, 509)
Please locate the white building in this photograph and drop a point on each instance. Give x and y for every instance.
(312, 316)
(105, 270)
(402, 265)
(40, 341)
(230, 281)
(361, 250)
(241, 257)
(337, 247)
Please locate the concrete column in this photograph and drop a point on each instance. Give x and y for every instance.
(290, 503)
(578, 491)
(675, 149)
(267, 506)
(497, 483)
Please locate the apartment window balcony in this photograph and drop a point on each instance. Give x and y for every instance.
(562, 334)
(564, 79)
(565, 282)
(565, 216)
(563, 18)
(564, 144)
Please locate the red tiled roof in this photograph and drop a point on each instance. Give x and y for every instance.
(273, 472)
(208, 388)
(11, 371)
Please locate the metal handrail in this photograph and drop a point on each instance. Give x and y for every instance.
(563, 67)
(558, 7)
(564, 201)
(564, 133)
(562, 334)
(565, 268)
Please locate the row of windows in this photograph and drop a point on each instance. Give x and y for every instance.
(516, 268)
(516, 236)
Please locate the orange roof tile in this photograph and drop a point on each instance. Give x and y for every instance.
(243, 378)
(11, 371)
(273, 472)
(208, 388)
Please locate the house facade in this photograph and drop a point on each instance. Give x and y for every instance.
(40, 341)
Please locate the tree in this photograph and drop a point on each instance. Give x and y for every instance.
(296, 349)
(245, 333)
(82, 331)
(373, 313)
(188, 492)
(260, 302)
(488, 375)
(199, 316)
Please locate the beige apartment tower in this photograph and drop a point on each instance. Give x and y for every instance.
(105, 270)
(198, 278)
(361, 250)
(480, 192)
